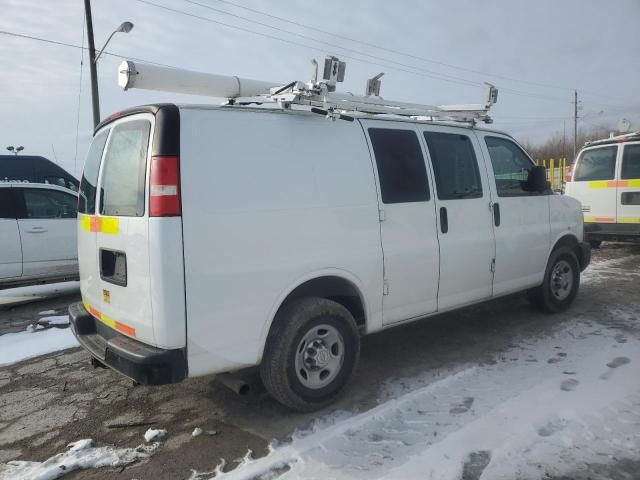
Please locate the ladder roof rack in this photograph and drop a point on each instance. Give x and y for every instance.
(319, 95)
(626, 137)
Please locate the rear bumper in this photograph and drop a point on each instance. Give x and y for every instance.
(616, 232)
(140, 362)
(585, 255)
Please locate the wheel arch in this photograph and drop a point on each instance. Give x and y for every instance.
(571, 241)
(338, 285)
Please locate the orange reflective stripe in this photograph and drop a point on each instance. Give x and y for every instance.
(94, 223)
(614, 183)
(110, 322)
(599, 220)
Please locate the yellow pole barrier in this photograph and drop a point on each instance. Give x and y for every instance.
(552, 174)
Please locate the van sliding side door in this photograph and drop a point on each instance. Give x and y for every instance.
(407, 221)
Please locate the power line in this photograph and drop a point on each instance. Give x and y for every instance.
(386, 49)
(425, 73)
(81, 47)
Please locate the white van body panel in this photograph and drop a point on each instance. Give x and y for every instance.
(236, 192)
(10, 249)
(566, 219)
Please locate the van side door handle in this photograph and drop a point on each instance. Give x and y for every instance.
(444, 220)
(496, 214)
(36, 230)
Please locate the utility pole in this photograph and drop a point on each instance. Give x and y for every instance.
(575, 123)
(95, 101)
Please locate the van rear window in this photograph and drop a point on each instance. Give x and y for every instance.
(123, 173)
(89, 182)
(596, 164)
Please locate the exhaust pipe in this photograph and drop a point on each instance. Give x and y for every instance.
(235, 383)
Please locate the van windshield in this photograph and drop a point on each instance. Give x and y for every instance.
(123, 174)
(596, 164)
(88, 185)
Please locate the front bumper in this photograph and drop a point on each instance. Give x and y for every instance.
(140, 362)
(585, 255)
(614, 232)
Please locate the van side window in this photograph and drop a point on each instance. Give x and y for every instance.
(596, 164)
(511, 167)
(454, 165)
(401, 167)
(630, 162)
(89, 182)
(8, 208)
(123, 176)
(41, 203)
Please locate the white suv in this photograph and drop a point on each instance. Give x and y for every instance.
(38, 242)
(226, 237)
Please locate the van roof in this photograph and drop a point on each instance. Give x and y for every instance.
(153, 108)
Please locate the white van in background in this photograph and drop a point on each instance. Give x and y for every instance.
(227, 237)
(606, 180)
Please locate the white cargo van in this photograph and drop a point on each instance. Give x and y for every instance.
(606, 180)
(227, 237)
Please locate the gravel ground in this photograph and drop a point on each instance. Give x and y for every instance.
(52, 400)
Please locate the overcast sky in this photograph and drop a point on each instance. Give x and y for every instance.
(536, 52)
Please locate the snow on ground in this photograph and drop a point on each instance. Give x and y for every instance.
(153, 434)
(15, 347)
(81, 454)
(37, 292)
(544, 407)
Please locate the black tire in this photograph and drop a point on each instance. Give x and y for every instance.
(595, 243)
(291, 325)
(543, 296)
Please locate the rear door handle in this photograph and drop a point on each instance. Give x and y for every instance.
(444, 220)
(36, 230)
(496, 214)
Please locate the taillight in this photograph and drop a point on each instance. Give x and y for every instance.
(570, 169)
(164, 187)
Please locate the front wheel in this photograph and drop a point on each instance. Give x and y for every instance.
(560, 285)
(595, 243)
(312, 349)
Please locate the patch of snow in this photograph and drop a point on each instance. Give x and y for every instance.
(47, 312)
(80, 455)
(197, 432)
(558, 401)
(58, 320)
(154, 433)
(15, 347)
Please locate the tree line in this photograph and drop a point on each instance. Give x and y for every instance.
(561, 146)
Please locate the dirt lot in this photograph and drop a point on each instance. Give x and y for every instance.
(52, 400)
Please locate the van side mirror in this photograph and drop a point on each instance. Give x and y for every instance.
(537, 180)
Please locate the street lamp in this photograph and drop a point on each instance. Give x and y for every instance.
(124, 27)
(15, 150)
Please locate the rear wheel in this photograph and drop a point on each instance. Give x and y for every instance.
(311, 352)
(560, 285)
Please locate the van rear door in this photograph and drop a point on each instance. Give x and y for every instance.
(114, 251)
(594, 183)
(131, 257)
